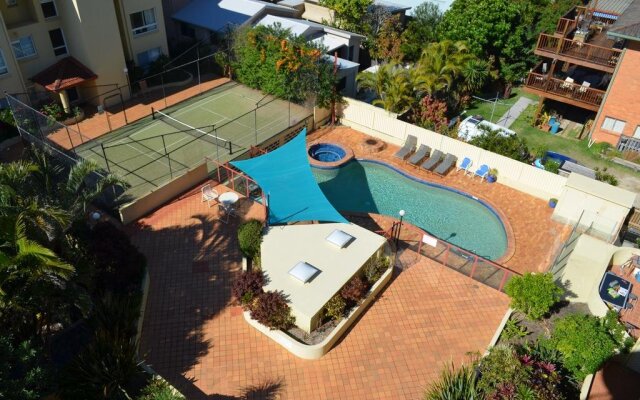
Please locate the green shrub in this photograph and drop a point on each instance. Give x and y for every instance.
(533, 294)
(23, 372)
(335, 307)
(585, 343)
(374, 269)
(159, 389)
(604, 176)
(455, 384)
(250, 237)
(512, 329)
(513, 146)
(498, 367)
(271, 309)
(552, 166)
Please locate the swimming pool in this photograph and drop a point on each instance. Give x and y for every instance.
(367, 186)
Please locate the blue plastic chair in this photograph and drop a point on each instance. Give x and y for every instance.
(465, 165)
(482, 172)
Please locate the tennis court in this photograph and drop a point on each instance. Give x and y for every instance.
(221, 124)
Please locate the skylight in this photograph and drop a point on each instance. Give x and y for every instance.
(303, 271)
(340, 238)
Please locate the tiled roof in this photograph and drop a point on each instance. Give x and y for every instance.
(628, 25)
(64, 74)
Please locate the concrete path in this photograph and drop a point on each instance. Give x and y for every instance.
(514, 112)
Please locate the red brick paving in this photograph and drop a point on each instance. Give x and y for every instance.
(194, 337)
(533, 237)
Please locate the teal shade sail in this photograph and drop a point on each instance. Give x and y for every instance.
(291, 189)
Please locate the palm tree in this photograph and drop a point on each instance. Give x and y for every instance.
(391, 84)
(440, 65)
(475, 72)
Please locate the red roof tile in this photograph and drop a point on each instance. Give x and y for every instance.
(64, 74)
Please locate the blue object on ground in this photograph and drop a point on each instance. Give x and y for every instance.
(292, 191)
(538, 163)
(555, 127)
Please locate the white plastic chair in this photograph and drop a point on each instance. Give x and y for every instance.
(585, 85)
(209, 194)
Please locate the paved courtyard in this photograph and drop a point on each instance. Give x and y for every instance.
(197, 339)
(534, 238)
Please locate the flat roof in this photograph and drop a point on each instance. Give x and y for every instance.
(602, 190)
(284, 246)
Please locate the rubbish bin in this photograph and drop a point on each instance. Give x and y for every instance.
(555, 127)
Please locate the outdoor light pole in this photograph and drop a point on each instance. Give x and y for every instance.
(401, 213)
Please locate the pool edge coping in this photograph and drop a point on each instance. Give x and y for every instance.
(506, 225)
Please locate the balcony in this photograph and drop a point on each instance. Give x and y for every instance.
(563, 91)
(578, 52)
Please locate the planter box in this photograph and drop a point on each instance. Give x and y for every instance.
(316, 351)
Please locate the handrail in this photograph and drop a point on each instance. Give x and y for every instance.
(444, 256)
(604, 56)
(565, 26)
(565, 89)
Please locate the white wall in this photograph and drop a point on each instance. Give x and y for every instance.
(384, 125)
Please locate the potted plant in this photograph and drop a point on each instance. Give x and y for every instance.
(553, 202)
(492, 176)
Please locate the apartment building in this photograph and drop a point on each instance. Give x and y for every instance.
(590, 62)
(77, 49)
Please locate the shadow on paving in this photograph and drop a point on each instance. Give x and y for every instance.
(184, 296)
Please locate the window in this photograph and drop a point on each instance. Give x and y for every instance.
(57, 42)
(24, 47)
(48, 8)
(3, 64)
(636, 134)
(147, 57)
(73, 95)
(143, 21)
(614, 125)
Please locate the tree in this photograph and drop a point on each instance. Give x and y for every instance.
(421, 30)
(387, 45)
(277, 62)
(349, 14)
(440, 68)
(392, 85)
(491, 28)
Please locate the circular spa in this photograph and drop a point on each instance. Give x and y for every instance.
(328, 155)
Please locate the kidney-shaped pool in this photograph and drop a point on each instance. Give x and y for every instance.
(367, 186)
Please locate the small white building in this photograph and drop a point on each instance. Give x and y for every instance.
(300, 261)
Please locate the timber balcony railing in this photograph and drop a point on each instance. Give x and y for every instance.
(572, 91)
(565, 26)
(574, 49)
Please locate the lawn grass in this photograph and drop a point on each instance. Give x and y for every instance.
(573, 148)
(484, 108)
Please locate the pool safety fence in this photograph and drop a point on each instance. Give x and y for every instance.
(474, 266)
(231, 177)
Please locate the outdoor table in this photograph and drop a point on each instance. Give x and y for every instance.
(227, 200)
(614, 290)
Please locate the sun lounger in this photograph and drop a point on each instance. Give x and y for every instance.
(482, 172)
(446, 165)
(465, 165)
(408, 148)
(419, 155)
(431, 162)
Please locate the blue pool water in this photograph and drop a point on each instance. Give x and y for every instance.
(326, 152)
(366, 186)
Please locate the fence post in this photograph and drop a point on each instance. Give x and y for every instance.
(70, 141)
(420, 246)
(198, 66)
(106, 160)
(475, 264)
(230, 148)
(504, 278)
(164, 145)
(446, 255)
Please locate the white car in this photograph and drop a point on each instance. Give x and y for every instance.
(470, 127)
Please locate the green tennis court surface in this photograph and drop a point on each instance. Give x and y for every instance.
(221, 124)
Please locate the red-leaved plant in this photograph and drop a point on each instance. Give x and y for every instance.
(271, 309)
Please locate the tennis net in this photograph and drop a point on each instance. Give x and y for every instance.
(196, 132)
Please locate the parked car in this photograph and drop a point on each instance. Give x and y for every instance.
(472, 126)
